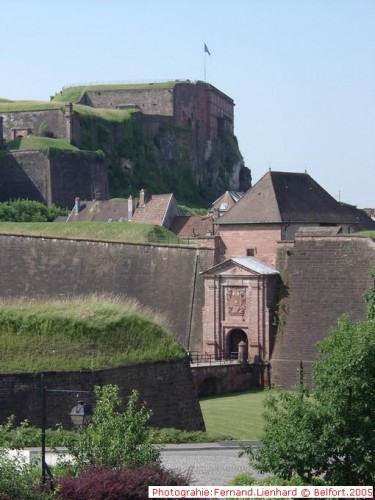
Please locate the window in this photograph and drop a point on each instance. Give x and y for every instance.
(250, 252)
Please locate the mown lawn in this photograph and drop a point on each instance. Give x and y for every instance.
(236, 415)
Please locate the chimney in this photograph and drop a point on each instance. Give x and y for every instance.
(130, 208)
(77, 205)
(142, 198)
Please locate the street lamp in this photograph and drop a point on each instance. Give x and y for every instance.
(80, 415)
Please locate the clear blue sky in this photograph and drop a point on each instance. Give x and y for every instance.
(301, 72)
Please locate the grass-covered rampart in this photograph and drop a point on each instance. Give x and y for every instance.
(81, 333)
(36, 143)
(73, 93)
(98, 231)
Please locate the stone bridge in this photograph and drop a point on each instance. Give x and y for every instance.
(225, 376)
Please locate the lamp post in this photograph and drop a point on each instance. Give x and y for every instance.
(80, 415)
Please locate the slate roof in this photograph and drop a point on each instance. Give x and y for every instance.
(287, 197)
(248, 263)
(227, 200)
(364, 219)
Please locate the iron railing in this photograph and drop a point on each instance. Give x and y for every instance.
(200, 358)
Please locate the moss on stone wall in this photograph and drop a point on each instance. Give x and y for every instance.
(165, 163)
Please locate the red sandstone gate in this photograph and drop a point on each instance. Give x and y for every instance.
(239, 302)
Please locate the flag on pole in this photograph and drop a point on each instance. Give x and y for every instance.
(206, 49)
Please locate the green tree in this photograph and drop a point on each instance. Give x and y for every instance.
(330, 430)
(113, 438)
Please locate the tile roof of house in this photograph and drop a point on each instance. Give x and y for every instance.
(192, 226)
(101, 211)
(286, 197)
(154, 210)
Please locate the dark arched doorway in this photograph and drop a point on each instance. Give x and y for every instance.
(235, 337)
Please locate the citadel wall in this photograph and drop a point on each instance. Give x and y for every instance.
(324, 278)
(164, 278)
(52, 177)
(25, 175)
(38, 122)
(167, 388)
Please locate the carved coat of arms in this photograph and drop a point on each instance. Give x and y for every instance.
(236, 300)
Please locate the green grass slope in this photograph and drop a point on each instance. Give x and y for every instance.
(81, 333)
(100, 231)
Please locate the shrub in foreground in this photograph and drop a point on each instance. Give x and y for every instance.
(246, 479)
(117, 484)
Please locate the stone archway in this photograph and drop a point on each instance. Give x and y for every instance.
(236, 336)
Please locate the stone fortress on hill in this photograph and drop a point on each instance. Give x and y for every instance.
(271, 267)
(186, 123)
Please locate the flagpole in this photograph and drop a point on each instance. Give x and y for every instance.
(204, 66)
(205, 50)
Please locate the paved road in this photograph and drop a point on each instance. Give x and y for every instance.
(210, 464)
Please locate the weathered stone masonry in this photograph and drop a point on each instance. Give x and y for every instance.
(165, 278)
(167, 388)
(324, 278)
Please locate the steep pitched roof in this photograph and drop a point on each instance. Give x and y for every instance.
(101, 211)
(227, 200)
(154, 210)
(192, 226)
(365, 221)
(286, 197)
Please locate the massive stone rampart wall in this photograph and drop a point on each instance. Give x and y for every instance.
(38, 121)
(325, 278)
(52, 177)
(151, 101)
(167, 388)
(25, 175)
(165, 278)
(82, 174)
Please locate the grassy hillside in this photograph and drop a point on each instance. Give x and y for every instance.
(101, 231)
(81, 333)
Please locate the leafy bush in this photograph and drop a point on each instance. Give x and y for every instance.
(17, 478)
(176, 436)
(246, 479)
(120, 484)
(28, 211)
(116, 439)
